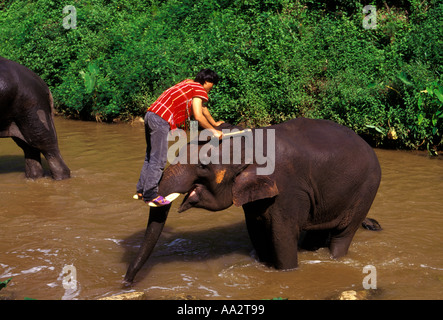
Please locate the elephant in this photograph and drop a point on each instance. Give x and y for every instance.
(324, 181)
(26, 115)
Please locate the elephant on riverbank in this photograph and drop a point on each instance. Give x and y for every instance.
(320, 181)
(26, 115)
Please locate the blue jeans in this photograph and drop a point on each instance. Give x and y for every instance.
(156, 133)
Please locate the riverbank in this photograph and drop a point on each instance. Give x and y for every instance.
(276, 61)
(371, 139)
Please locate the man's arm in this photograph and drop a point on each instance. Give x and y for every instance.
(197, 109)
(209, 117)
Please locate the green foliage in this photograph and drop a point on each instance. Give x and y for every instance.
(277, 298)
(3, 284)
(430, 115)
(277, 60)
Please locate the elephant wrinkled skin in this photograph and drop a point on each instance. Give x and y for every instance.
(26, 115)
(325, 180)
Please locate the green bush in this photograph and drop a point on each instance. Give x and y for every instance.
(277, 60)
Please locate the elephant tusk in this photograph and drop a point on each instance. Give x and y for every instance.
(171, 197)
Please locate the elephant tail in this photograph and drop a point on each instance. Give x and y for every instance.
(371, 224)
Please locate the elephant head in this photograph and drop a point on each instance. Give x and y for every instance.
(213, 186)
(216, 187)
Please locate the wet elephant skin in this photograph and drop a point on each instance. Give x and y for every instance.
(26, 115)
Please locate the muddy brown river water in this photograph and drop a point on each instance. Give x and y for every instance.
(91, 223)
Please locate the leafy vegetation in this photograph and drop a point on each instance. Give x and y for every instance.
(4, 283)
(277, 60)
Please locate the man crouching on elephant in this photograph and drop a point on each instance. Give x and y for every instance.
(170, 110)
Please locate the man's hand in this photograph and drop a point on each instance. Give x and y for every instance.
(217, 134)
(219, 123)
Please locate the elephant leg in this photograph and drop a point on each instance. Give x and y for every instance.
(40, 137)
(285, 242)
(341, 237)
(312, 240)
(274, 239)
(33, 166)
(57, 166)
(45, 137)
(259, 229)
(287, 220)
(340, 242)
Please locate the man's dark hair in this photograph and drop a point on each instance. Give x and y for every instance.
(206, 75)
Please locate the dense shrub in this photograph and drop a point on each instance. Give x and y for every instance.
(277, 60)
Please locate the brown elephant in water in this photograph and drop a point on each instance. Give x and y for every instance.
(26, 115)
(323, 182)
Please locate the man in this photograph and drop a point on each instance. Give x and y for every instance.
(171, 109)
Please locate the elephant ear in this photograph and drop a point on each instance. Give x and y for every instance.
(249, 187)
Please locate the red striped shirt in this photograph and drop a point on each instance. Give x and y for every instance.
(174, 105)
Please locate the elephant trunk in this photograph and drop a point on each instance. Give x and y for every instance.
(175, 179)
(156, 222)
